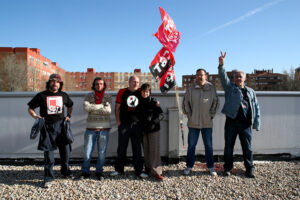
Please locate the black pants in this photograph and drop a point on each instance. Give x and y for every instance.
(50, 138)
(132, 131)
(243, 129)
(64, 152)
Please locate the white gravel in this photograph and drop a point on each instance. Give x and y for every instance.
(274, 180)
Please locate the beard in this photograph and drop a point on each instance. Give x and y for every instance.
(53, 88)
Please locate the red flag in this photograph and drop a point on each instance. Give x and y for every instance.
(167, 81)
(163, 60)
(167, 34)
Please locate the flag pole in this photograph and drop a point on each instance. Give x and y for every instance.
(180, 115)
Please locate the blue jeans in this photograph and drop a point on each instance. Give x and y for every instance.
(232, 129)
(90, 138)
(192, 142)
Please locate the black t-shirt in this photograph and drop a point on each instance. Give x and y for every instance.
(51, 105)
(129, 105)
(244, 113)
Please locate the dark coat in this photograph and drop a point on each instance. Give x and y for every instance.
(150, 115)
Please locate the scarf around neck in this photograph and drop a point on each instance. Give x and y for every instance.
(99, 96)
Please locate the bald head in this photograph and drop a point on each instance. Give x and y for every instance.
(134, 83)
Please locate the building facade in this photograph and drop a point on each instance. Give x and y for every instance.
(82, 81)
(25, 69)
(263, 80)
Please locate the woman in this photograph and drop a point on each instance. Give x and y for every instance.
(150, 115)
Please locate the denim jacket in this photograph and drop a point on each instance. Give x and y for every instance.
(233, 99)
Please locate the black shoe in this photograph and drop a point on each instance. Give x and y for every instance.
(47, 184)
(99, 176)
(250, 174)
(68, 176)
(84, 176)
(226, 173)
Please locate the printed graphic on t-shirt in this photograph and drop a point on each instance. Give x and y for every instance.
(132, 101)
(54, 105)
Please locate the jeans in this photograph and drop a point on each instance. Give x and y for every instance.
(232, 129)
(132, 131)
(90, 138)
(64, 152)
(192, 142)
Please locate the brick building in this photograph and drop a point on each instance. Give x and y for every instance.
(25, 69)
(258, 80)
(82, 81)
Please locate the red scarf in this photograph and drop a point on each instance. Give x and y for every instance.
(99, 96)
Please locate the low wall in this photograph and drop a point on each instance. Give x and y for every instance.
(280, 117)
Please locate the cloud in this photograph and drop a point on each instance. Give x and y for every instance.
(243, 17)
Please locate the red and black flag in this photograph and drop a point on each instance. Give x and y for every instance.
(163, 60)
(167, 81)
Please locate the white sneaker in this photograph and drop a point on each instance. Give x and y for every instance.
(212, 172)
(143, 175)
(115, 173)
(187, 171)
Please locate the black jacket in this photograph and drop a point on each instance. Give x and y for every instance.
(150, 115)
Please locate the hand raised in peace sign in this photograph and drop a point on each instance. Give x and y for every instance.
(222, 58)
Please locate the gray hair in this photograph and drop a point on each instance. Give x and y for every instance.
(238, 71)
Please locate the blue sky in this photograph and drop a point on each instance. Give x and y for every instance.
(116, 35)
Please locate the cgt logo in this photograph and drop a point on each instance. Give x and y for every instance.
(54, 105)
(132, 101)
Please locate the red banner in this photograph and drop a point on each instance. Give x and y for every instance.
(163, 60)
(167, 34)
(167, 81)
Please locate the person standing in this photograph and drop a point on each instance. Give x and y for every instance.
(200, 104)
(242, 111)
(51, 103)
(126, 111)
(98, 106)
(151, 114)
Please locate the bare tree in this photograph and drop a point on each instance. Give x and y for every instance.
(292, 81)
(13, 74)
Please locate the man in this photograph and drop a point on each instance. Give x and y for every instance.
(51, 103)
(200, 104)
(241, 110)
(98, 106)
(126, 111)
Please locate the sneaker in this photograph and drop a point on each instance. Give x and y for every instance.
(115, 173)
(159, 177)
(143, 175)
(100, 176)
(226, 173)
(187, 171)
(84, 176)
(46, 184)
(212, 172)
(249, 174)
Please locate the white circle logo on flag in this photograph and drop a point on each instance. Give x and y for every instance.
(132, 101)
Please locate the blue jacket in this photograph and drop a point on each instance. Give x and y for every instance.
(233, 99)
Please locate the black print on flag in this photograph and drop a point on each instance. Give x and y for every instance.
(163, 60)
(54, 105)
(167, 81)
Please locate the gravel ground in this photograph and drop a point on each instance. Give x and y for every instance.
(274, 180)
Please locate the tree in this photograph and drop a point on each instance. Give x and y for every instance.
(292, 81)
(13, 74)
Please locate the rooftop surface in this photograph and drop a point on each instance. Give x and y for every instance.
(274, 180)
